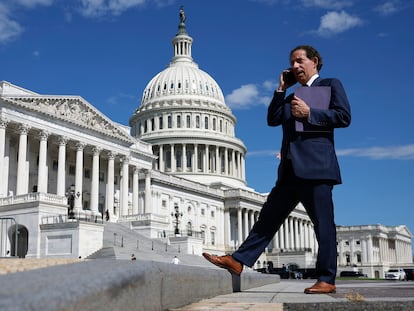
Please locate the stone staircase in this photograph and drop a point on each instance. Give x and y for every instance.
(120, 242)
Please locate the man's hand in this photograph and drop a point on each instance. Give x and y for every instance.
(299, 108)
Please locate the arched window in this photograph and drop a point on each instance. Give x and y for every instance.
(189, 229)
(178, 121)
(198, 122)
(188, 121)
(206, 123)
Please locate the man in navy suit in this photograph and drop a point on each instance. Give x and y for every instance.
(307, 172)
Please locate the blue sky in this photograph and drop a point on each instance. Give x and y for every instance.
(108, 50)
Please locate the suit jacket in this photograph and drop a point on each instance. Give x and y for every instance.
(312, 153)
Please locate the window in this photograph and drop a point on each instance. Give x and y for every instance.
(214, 124)
(178, 121)
(203, 236)
(206, 123)
(164, 204)
(160, 123)
(169, 121)
(188, 121)
(145, 126)
(189, 229)
(203, 211)
(213, 238)
(152, 124)
(198, 122)
(212, 214)
(101, 176)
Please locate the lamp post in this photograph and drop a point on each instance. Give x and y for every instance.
(70, 194)
(177, 214)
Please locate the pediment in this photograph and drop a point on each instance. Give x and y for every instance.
(72, 109)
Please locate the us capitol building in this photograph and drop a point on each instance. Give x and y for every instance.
(177, 172)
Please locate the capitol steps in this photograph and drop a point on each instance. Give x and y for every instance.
(120, 242)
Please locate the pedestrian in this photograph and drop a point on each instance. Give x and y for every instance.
(308, 168)
(175, 260)
(133, 257)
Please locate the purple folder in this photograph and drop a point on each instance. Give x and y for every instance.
(317, 97)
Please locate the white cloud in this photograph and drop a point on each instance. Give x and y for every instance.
(9, 28)
(387, 8)
(327, 4)
(94, 8)
(337, 22)
(249, 95)
(405, 152)
(381, 153)
(34, 3)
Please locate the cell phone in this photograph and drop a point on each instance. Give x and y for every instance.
(289, 77)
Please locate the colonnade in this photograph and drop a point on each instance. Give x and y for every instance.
(373, 250)
(46, 157)
(295, 234)
(200, 158)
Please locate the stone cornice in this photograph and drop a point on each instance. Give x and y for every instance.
(72, 109)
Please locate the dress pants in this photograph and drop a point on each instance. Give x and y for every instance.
(316, 197)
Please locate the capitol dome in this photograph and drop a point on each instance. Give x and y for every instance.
(184, 116)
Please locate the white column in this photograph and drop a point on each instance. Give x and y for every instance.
(184, 161)
(243, 173)
(282, 236)
(276, 241)
(22, 182)
(161, 160)
(3, 176)
(195, 162)
(217, 162)
(124, 186)
(246, 223)
(306, 235)
(302, 233)
(205, 168)
(135, 188)
(251, 220)
(239, 175)
(110, 184)
(363, 250)
(147, 207)
(42, 177)
(95, 181)
(227, 226)
(173, 159)
(79, 176)
(233, 163)
(239, 226)
(61, 173)
(286, 234)
(369, 250)
(226, 163)
(292, 233)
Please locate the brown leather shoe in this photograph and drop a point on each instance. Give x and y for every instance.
(225, 262)
(321, 288)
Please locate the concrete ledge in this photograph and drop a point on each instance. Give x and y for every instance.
(106, 284)
(354, 306)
